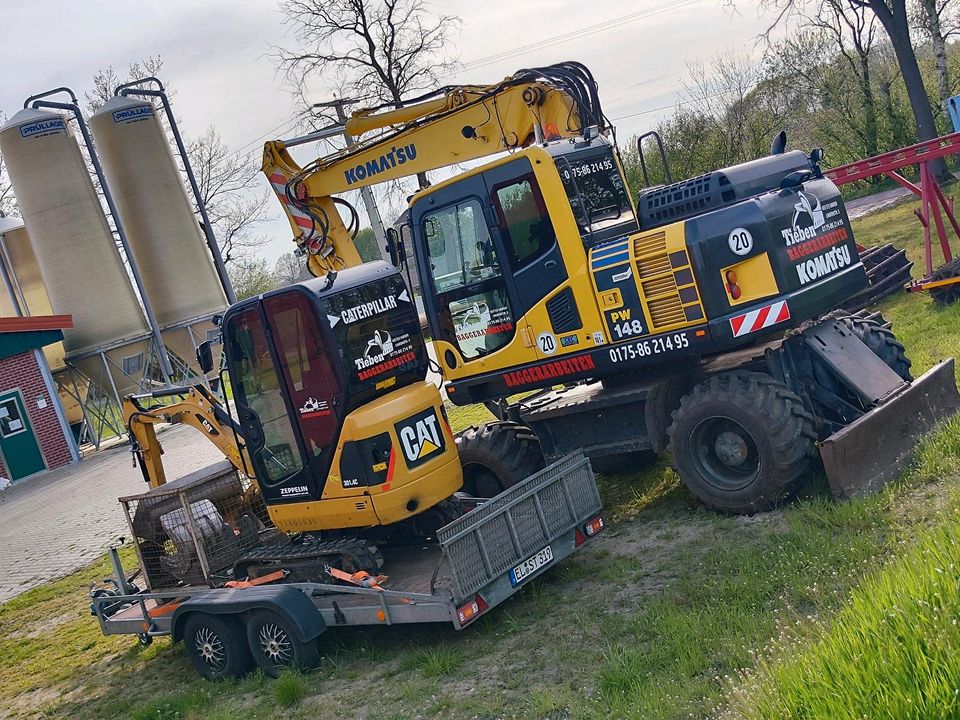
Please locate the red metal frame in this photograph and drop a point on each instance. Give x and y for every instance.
(932, 199)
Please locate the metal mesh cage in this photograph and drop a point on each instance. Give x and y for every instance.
(192, 530)
(501, 533)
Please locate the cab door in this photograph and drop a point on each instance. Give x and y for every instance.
(466, 293)
(287, 394)
(531, 252)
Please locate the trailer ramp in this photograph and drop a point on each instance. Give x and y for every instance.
(499, 545)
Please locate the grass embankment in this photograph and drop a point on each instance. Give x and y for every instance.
(662, 617)
(893, 650)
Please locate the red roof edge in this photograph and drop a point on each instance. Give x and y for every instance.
(36, 322)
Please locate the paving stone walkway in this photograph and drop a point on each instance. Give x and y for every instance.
(57, 523)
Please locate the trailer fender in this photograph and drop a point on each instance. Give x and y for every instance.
(285, 600)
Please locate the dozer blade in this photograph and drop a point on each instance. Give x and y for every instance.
(862, 457)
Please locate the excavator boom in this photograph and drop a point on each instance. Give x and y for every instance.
(196, 407)
(452, 125)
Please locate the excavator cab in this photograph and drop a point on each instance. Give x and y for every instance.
(339, 423)
(502, 254)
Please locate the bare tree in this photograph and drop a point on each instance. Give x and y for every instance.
(8, 203)
(289, 269)
(378, 51)
(938, 21)
(105, 81)
(894, 17)
(229, 188)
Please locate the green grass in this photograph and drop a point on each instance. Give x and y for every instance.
(674, 613)
(289, 689)
(893, 651)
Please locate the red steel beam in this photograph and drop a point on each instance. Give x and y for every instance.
(895, 159)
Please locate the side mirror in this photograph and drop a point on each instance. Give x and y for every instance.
(205, 356)
(816, 156)
(393, 246)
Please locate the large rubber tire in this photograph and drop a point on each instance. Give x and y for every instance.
(883, 343)
(742, 442)
(497, 456)
(216, 646)
(275, 647)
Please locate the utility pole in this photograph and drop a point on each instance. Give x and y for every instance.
(366, 192)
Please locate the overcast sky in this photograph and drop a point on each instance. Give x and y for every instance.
(216, 54)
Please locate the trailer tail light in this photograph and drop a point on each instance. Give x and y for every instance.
(470, 611)
(594, 527)
(591, 528)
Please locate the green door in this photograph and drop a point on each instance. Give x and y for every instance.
(18, 445)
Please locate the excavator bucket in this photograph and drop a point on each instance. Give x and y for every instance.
(862, 457)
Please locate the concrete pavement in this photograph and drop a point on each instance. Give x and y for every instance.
(57, 523)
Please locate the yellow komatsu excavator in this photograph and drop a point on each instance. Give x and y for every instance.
(686, 317)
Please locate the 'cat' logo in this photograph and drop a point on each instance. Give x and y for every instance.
(420, 437)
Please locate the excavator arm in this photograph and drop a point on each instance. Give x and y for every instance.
(197, 408)
(449, 126)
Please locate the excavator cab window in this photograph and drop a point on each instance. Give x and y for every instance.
(311, 380)
(597, 192)
(376, 328)
(524, 221)
(461, 250)
(465, 268)
(256, 386)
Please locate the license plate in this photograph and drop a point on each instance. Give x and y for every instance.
(529, 566)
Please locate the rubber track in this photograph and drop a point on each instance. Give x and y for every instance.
(307, 559)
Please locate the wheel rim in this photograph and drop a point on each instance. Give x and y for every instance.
(275, 645)
(210, 648)
(726, 455)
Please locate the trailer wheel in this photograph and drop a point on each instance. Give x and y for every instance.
(216, 647)
(742, 442)
(883, 343)
(496, 456)
(275, 646)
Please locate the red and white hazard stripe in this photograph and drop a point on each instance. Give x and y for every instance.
(279, 183)
(760, 318)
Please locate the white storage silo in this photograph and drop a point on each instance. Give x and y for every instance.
(165, 238)
(75, 251)
(23, 271)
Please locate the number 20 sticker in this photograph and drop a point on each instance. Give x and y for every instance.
(547, 343)
(740, 241)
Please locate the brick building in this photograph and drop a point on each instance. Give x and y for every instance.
(34, 434)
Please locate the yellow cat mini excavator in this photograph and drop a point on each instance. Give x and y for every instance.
(335, 419)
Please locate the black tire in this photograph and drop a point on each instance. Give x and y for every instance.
(624, 463)
(275, 646)
(883, 343)
(216, 646)
(497, 456)
(742, 442)
(946, 294)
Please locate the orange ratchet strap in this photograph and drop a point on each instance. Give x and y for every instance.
(262, 580)
(360, 579)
